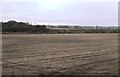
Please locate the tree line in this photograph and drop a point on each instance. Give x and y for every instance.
(13, 26)
(17, 27)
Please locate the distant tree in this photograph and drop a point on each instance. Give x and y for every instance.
(13, 26)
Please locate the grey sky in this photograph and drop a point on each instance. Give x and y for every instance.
(61, 12)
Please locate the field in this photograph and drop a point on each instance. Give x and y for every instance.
(60, 54)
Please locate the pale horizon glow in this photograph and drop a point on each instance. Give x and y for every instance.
(58, 12)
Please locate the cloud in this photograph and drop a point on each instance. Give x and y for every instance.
(61, 0)
(90, 13)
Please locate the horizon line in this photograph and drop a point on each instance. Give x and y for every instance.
(57, 24)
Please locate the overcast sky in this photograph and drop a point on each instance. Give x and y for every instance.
(81, 12)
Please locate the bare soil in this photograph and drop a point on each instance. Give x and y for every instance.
(60, 54)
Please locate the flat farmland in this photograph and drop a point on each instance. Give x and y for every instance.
(59, 54)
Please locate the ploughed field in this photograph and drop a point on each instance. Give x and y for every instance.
(61, 54)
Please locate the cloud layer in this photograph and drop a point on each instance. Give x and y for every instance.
(82, 13)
